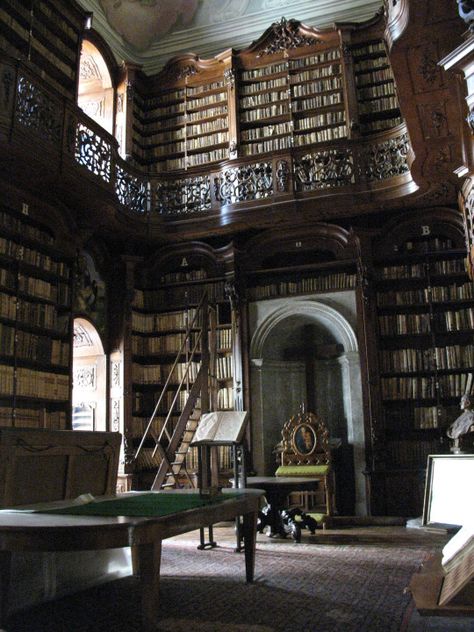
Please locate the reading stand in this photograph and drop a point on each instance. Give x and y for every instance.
(221, 428)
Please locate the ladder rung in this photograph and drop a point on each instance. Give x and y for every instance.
(168, 485)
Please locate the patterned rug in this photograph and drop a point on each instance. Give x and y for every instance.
(306, 587)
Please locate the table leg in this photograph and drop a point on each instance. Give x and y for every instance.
(249, 531)
(146, 560)
(5, 570)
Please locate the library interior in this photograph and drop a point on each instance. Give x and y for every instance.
(237, 283)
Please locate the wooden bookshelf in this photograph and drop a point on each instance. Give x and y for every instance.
(35, 304)
(48, 34)
(425, 313)
(375, 87)
(163, 309)
(293, 88)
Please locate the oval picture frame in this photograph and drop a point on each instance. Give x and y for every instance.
(304, 439)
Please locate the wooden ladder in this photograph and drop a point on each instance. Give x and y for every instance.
(172, 444)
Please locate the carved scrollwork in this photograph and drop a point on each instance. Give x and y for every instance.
(81, 337)
(184, 73)
(115, 415)
(34, 109)
(470, 120)
(84, 377)
(190, 195)
(325, 169)
(466, 12)
(131, 191)
(282, 176)
(387, 159)
(93, 152)
(285, 36)
(229, 77)
(115, 374)
(240, 184)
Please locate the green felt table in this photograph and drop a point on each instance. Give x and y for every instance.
(140, 521)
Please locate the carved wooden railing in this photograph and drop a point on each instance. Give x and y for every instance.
(48, 126)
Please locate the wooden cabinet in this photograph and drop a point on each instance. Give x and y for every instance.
(35, 307)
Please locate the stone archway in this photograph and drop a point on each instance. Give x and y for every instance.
(278, 387)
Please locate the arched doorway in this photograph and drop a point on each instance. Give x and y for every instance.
(89, 392)
(96, 92)
(305, 351)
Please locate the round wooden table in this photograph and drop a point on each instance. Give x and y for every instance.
(275, 515)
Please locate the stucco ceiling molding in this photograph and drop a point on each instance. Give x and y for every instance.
(239, 32)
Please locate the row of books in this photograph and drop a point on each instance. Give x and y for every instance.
(374, 91)
(322, 283)
(325, 118)
(411, 360)
(155, 323)
(25, 229)
(137, 425)
(322, 85)
(266, 131)
(420, 270)
(383, 73)
(34, 384)
(33, 314)
(32, 257)
(145, 402)
(257, 114)
(263, 146)
(159, 373)
(448, 321)
(317, 101)
(33, 347)
(381, 104)
(32, 418)
(381, 124)
(369, 49)
(425, 417)
(434, 294)
(166, 344)
(156, 299)
(224, 366)
(316, 73)
(263, 98)
(271, 84)
(454, 385)
(183, 275)
(321, 136)
(411, 454)
(224, 456)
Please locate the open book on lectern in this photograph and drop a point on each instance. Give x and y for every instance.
(225, 426)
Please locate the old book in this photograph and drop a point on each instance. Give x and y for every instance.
(221, 427)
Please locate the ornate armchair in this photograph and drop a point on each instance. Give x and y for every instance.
(304, 451)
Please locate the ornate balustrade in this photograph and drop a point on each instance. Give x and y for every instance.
(54, 129)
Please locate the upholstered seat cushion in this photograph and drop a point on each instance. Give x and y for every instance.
(302, 470)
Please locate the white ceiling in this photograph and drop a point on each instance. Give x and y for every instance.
(150, 32)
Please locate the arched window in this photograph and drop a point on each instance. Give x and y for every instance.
(96, 90)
